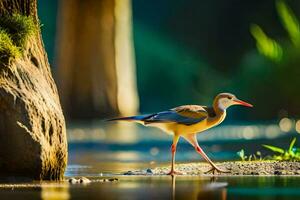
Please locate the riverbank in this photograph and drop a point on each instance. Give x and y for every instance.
(234, 168)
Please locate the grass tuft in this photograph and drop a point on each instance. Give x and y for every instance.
(18, 27)
(14, 32)
(8, 50)
(279, 154)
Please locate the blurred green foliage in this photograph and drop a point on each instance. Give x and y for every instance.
(289, 21)
(265, 45)
(270, 48)
(291, 154)
(274, 82)
(178, 73)
(280, 154)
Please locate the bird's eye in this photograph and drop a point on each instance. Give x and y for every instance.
(229, 98)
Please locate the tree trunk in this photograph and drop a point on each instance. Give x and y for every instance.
(33, 139)
(96, 72)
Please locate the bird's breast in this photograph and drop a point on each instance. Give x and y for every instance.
(195, 128)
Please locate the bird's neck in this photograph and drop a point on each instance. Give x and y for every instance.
(219, 116)
(218, 110)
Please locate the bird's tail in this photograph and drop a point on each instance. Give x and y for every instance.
(131, 118)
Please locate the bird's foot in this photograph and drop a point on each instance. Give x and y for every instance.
(215, 168)
(173, 172)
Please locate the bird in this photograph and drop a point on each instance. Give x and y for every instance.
(187, 121)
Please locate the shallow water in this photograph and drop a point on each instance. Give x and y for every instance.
(100, 152)
(163, 187)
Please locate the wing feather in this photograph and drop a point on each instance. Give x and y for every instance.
(187, 115)
(192, 111)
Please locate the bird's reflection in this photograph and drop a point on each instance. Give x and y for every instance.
(173, 186)
(211, 189)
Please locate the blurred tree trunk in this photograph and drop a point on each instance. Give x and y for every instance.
(33, 140)
(95, 59)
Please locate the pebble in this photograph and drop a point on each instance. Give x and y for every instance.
(73, 180)
(129, 173)
(254, 173)
(82, 180)
(108, 180)
(276, 172)
(149, 171)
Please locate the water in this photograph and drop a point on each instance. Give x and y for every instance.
(163, 187)
(97, 152)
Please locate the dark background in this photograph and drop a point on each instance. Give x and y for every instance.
(189, 51)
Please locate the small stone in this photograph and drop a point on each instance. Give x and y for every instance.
(254, 173)
(84, 180)
(73, 180)
(108, 180)
(129, 173)
(113, 179)
(149, 171)
(276, 172)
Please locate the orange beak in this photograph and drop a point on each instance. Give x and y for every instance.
(243, 103)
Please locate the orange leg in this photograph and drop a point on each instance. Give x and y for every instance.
(214, 166)
(173, 150)
(193, 141)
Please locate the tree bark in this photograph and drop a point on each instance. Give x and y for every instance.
(90, 82)
(32, 127)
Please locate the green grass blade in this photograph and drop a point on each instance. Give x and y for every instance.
(241, 154)
(292, 145)
(289, 21)
(275, 149)
(265, 45)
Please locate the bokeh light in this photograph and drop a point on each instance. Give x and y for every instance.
(298, 126)
(285, 124)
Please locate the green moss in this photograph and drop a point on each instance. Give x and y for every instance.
(14, 32)
(18, 27)
(7, 49)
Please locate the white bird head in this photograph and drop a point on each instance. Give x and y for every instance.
(225, 100)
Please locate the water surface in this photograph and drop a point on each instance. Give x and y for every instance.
(97, 152)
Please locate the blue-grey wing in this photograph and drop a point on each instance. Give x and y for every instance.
(186, 115)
